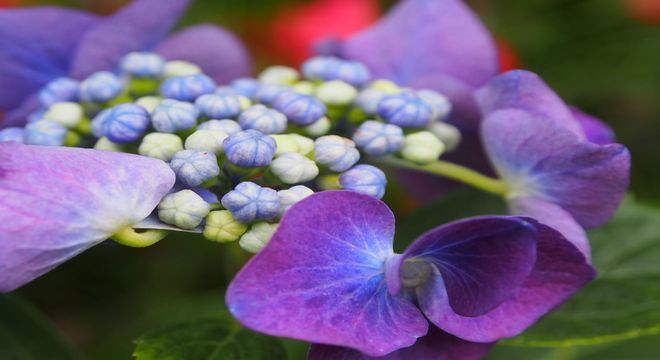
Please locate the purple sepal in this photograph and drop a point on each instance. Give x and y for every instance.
(324, 272)
(55, 202)
(594, 129)
(560, 271)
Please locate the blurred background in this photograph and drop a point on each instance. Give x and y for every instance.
(600, 55)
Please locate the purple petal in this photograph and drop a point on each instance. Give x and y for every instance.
(560, 271)
(436, 345)
(482, 260)
(537, 158)
(524, 90)
(37, 45)
(55, 202)
(595, 129)
(418, 44)
(554, 216)
(20, 115)
(219, 52)
(141, 25)
(321, 278)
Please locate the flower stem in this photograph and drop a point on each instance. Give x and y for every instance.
(129, 237)
(451, 171)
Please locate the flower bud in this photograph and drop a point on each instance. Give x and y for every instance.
(257, 237)
(422, 147)
(245, 86)
(193, 167)
(365, 179)
(16, 134)
(293, 168)
(386, 86)
(304, 87)
(45, 132)
(142, 65)
(161, 146)
(250, 148)
(187, 88)
(58, 90)
(172, 116)
(336, 152)
(319, 128)
(180, 68)
(229, 127)
(368, 100)
(290, 197)
(216, 106)
(305, 144)
(299, 108)
(279, 75)
(68, 114)
(221, 226)
(406, 109)
(267, 121)
(439, 103)
(376, 138)
(150, 103)
(331, 68)
(102, 86)
(106, 145)
(268, 93)
(249, 202)
(448, 134)
(207, 140)
(245, 102)
(336, 92)
(123, 123)
(184, 209)
(285, 144)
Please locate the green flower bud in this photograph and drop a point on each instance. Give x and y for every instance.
(386, 86)
(107, 145)
(319, 128)
(206, 140)
(68, 114)
(149, 102)
(160, 146)
(180, 68)
(422, 147)
(305, 144)
(304, 87)
(245, 102)
(222, 227)
(293, 168)
(293, 143)
(336, 93)
(184, 209)
(258, 236)
(283, 75)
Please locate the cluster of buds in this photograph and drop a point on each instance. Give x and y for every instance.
(245, 152)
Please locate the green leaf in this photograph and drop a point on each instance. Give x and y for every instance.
(25, 334)
(209, 338)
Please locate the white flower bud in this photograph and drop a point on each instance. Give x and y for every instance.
(290, 197)
(258, 236)
(160, 146)
(68, 114)
(336, 92)
(386, 86)
(107, 145)
(305, 144)
(221, 226)
(206, 140)
(422, 147)
(448, 134)
(180, 68)
(149, 102)
(304, 87)
(293, 143)
(293, 168)
(283, 75)
(184, 209)
(319, 128)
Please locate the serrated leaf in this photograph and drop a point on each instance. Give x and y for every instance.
(217, 337)
(26, 335)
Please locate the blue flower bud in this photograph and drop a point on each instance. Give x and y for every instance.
(58, 90)
(36, 116)
(439, 103)
(184, 209)
(45, 132)
(332, 68)
(299, 108)
(102, 86)
(259, 117)
(376, 138)
(142, 65)
(365, 179)
(268, 93)
(406, 109)
(122, 124)
(336, 152)
(369, 98)
(194, 167)
(230, 127)
(187, 88)
(246, 86)
(217, 106)
(250, 148)
(249, 202)
(172, 116)
(16, 134)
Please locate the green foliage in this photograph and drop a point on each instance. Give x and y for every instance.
(26, 335)
(213, 337)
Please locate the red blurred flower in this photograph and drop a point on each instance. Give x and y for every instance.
(509, 59)
(8, 3)
(647, 11)
(295, 28)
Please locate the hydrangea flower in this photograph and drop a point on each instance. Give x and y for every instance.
(123, 123)
(102, 86)
(193, 167)
(250, 148)
(259, 117)
(406, 109)
(187, 88)
(376, 138)
(336, 152)
(365, 179)
(58, 90)
(300, 109)
(217, 106)
(249, 202)
(142, 65)
(173, 115)
(478, 279)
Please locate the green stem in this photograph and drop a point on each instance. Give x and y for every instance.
(129, 237)
(451, 171)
